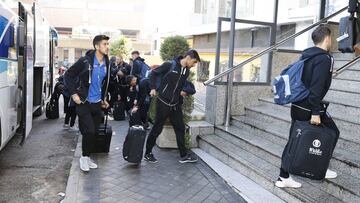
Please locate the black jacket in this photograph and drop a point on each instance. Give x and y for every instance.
(136, 67)
(172, 81)
(317, 75)
(77, 76)
(131, 96)
(353, 6)
(144, 91)
(118, 85)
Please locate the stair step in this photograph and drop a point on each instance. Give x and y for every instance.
(268, 111)
(345, 187)
(349, 75)
(260, 171)
(248, 189)
(343, 56)
(337, 111)
(346, 157)
(345, 86)
(343, 98)
(338, 63)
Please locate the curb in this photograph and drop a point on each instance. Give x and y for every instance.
(74, 175)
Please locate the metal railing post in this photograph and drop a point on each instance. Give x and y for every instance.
(271, 48)
(272, 40)
(218, 46)
(231, 64)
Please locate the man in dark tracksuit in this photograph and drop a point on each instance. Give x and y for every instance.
(143, 101)
(93, 74)
(118, 85)
(136, 65)
(167, 105)
(317, 75)
(131, 92)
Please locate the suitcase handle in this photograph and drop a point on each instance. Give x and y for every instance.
(106, 119)
(138, 127)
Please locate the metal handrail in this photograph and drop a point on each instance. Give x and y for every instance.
(346, 66)
(273, 47)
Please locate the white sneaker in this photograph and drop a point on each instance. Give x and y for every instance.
(73, 128)
(92, 164)
(66, 126)
(330, 174)
(84, 163)
(287, 182)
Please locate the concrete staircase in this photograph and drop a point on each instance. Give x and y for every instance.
(254, 143)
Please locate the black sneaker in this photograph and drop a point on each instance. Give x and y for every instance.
(150, 158)
(188, 159)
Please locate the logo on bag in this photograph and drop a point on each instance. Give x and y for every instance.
(314, 151)
(316, 143)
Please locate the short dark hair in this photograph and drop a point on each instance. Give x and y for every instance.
(193, 54)
(99, 38)
(113, 59)
(129, 78)
(319, 34)
(135, 52)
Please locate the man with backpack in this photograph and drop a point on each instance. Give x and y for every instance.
(139, 68)
(168, 102)
(316, 77)
(88, 81)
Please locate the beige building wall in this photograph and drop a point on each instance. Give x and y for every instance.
(122, 14)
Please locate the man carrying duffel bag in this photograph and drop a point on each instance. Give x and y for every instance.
(316, 76)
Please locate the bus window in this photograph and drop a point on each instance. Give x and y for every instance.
(7, 37)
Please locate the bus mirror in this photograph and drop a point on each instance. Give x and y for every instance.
(21, 34)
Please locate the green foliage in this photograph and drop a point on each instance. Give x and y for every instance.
(120, 47)
(188, 105)
(173, 46)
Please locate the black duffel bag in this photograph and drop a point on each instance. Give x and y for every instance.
(310, 150)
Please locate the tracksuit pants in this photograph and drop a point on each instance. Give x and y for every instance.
(175, 115)
(90, 115)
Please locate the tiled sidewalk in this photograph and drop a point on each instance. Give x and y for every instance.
(166, 181)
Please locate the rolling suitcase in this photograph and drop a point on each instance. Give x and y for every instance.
(134, 144)
(103, 137)
(119, 111)
(52, 107)
(348, 29)
(310, 150)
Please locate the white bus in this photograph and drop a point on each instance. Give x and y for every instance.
(27, 44)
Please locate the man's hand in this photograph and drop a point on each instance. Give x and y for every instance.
(315, 120)
(135, 109)
(120, 73)
(184, 94)
(76, 98)
(104, 104)
(153, 93)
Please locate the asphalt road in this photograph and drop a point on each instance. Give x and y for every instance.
(38, 170)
